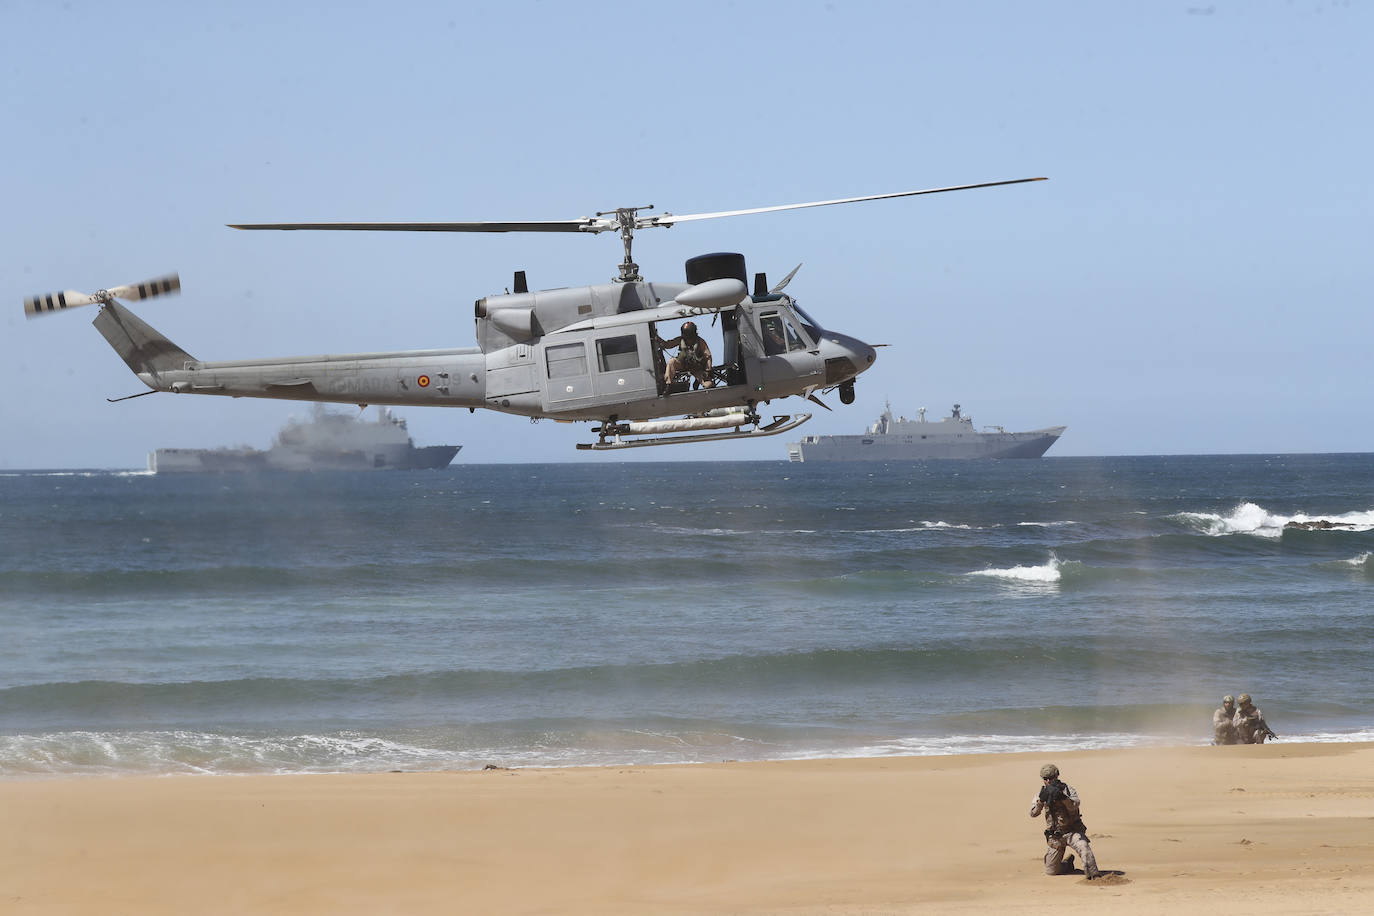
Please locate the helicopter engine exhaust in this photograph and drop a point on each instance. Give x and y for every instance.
(720, 265)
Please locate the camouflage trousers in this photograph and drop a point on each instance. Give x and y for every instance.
(1054, 854)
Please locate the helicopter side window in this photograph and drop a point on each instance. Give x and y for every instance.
(616, 353)
(567, 360)
(774, 339)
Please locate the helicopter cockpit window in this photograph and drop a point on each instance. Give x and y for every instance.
(807, 321)
(567, 360)
(774, 339)
(616, 353)
(795, 341)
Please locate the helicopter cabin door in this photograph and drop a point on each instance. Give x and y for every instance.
(609, 366)
(623, 364)
(567, 370)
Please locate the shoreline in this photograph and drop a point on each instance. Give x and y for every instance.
(239, 755)
(1281, 827)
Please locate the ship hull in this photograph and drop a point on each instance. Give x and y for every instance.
(326, 441)
(879, 447)
(240, 461)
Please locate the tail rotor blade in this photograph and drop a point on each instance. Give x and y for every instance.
(161, 286)
(47, 303)
(54, 302)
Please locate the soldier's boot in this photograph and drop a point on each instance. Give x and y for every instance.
(1066, 867)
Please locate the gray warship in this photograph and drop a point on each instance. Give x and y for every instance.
(900, 439)
(325, 441)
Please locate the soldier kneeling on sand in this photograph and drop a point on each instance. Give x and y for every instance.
(1223, 725)
(1249, 722)
(1063, 825)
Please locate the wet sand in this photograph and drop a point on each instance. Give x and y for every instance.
(1279, 828)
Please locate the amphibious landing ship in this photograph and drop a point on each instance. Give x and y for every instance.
(901, 439)
(324, 442)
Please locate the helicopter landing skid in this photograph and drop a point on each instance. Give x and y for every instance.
(612, 439)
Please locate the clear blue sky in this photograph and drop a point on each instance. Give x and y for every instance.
(1196, 275)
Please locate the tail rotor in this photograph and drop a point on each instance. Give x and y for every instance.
(55, 302)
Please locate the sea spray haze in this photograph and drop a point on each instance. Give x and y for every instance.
(613, 613)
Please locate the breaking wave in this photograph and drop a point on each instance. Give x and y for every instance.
(1248, 518)
(1049, 573)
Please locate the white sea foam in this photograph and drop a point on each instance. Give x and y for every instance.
(1361, 562)
(675, 530)
(923, 526)
(186, 752)
(1062, 524)
(1248, 518)
(946, 745)
(1052, 571)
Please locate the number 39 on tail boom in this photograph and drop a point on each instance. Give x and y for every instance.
(592, 353)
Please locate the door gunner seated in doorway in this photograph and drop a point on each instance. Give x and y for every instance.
(693, 356)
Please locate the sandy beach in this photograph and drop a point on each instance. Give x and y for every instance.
(1278, 828)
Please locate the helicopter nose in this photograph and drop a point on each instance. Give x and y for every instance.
(846, 357)
(867, 353)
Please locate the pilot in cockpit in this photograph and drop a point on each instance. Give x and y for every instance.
(773, 340)
(693, 356)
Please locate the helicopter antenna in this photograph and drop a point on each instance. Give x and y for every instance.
(625, 218)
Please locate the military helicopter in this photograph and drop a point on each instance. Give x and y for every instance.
(588, 353)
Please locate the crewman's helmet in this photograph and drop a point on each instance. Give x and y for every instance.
(689, 329)
(1049, 771)
(1245, 699)
(1228, 700)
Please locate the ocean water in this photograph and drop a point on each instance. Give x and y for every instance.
(607, 613)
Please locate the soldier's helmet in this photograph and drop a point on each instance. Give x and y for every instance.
(1244, 699)
(1049, 771)
(1228, 700)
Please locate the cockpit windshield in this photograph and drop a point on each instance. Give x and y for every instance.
(812, 326)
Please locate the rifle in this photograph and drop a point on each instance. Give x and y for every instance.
(1056, 793)
(1052, 792)
(1263, 728)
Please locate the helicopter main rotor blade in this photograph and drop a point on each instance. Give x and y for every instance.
(588, 224)
(669, 219)
(625, 220)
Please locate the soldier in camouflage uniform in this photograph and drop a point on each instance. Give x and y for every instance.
(1223, 724)
(1063, 825)
(1249, 722)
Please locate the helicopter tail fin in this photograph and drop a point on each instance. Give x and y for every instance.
(145, 350)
